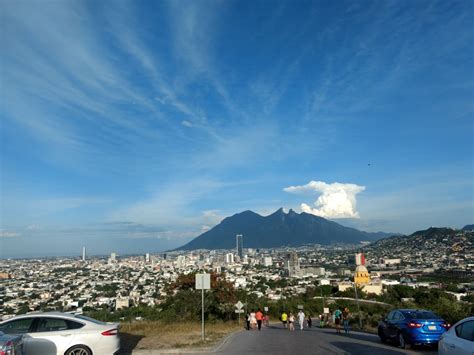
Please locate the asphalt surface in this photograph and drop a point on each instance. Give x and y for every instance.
(277, 340)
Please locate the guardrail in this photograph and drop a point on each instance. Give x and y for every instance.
(353, 299)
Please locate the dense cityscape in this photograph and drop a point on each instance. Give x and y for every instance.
(90, 282)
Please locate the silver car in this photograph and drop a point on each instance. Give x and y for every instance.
(55, 333)
(459, 339)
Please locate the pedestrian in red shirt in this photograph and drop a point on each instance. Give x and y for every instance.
(259, 316)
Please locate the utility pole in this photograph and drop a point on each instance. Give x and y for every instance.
(322, 296)
(202, 313)
(358, 307)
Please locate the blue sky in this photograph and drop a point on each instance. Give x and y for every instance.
(134, 126)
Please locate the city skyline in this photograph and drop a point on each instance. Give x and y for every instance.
(141, 125)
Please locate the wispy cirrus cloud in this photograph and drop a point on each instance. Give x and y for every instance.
(377, 63)
(169, 204)
(82, 99)
(194, 32)
(9, 234)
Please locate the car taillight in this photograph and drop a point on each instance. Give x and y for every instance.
(446, 325)
(8, 349)
(414, 325)
(110, 332)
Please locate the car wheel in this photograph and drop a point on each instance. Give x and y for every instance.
(382, 336)
(401, 341)
(79, 350)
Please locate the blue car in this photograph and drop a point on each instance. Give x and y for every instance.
(412, 327)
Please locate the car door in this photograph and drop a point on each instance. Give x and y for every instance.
(51, 336)
(464, 341)
(17, 326)
(394, 324)
(387, 322)
(399, 321)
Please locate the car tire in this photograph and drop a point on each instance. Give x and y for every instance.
(382, 336)
(401, 341)
(78, 350)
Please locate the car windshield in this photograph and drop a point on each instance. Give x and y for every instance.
(80, 316)
(422, 315)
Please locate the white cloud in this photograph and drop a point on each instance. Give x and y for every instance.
(212, 217)
(170, 204)
(336, 200)
(186, 123)
(7, 234)
(205, 228)
(164, 235)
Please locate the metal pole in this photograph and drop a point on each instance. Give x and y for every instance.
(358, 308)
(322, 296)
(202, 315)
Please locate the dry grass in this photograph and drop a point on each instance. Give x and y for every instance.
(157, 335)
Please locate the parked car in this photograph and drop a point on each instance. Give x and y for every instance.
(11, 344)
(412, 327)
(459, 339)
(55, 333)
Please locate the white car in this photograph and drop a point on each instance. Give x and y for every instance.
(63, 334)
(459, 339)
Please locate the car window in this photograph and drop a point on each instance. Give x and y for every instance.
(74, 325)
(18, 326)
(51, 325)
(422, 315)
(80, 316)
(466, 330)
(398, 316)
(390, 315)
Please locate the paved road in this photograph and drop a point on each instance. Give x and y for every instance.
(276, 340)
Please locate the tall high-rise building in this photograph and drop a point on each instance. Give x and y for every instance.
(181, 261)
(147, 257)
(112, 259)
(239, 239)
(83, 253)
(292, 264)
(267, 261)
(229, 258)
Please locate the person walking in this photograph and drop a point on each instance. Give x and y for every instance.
(301, 318)
(291, 320)
(345, 319)
(253, 320)
(247, 320)
(266, 320)
(259, 317)
(338, 320)
(284, 319)
(309, 321)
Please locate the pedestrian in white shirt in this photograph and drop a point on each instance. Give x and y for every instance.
(301, 318)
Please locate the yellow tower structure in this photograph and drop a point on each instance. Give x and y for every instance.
(362, 276)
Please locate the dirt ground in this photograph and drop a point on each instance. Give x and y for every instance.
(156, 335)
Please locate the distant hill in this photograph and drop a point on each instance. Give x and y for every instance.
(469, 227)
(439, 239)
(276, 230)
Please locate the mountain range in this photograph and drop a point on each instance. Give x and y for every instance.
(432, 240)
(277, 230)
